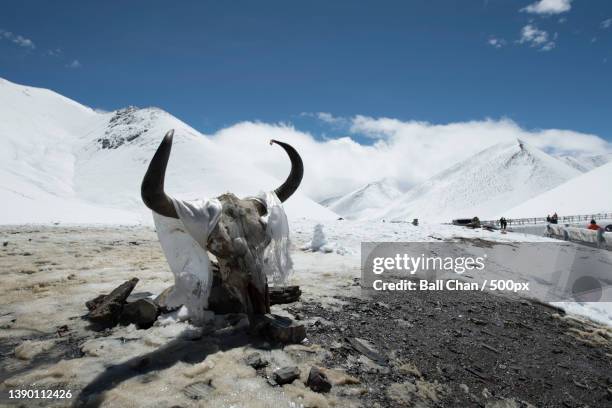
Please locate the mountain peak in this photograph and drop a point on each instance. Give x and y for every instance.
(485, 185)
(366, 200)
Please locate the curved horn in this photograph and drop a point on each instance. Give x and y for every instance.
(295, 177)
(152, 188)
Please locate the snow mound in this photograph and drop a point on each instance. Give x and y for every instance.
(588, 193)
(63, 162)
(485, 185)
(319, 243)
(365, 201)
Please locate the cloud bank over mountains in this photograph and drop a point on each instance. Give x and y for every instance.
(407, 151)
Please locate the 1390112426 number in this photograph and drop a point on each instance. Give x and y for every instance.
(40, 394)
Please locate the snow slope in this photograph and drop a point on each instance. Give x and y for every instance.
(64, 162)
(588, 193)
(365, 201)
(485, 185)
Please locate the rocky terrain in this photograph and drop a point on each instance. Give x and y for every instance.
(426, 350)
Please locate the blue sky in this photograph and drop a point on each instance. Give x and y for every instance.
(213, 64)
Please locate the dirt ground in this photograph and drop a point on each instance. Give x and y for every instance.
(428, 350)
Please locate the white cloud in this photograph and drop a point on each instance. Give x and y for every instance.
(534, 37)
(17, 39)
(74, 64)
(328, 118)
(607, 23)
(54, 52)
(408, 151)
(496, 42)
(548, 7)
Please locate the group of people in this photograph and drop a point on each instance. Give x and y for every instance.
(552, 220)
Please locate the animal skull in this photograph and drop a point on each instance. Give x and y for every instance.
(237, 241)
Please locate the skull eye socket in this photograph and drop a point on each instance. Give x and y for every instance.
(261, 207)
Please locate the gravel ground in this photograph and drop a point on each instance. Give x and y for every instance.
(460, 349)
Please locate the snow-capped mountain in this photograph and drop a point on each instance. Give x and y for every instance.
(587, 163)
(62, 161)
(589, 193)
(365, 201)
(484, 185)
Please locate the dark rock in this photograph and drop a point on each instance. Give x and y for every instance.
(286, 375)
(5, 243)
(256, 361)
(142, 313)
(107, 310)
(278, 328)
(284, 294)
(318, 381)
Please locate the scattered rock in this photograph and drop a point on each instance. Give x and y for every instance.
(318, 381)
(107, 309)
(198, 390)
(284, 294)
(142, 313)
(256, 361)
(286, 375)
(367, 349)
(5, 243)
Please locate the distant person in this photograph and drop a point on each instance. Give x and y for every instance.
(554, 219)
(548, 219)
(593, 226)
(503, 223)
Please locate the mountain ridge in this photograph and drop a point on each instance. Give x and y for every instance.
(64, 162)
